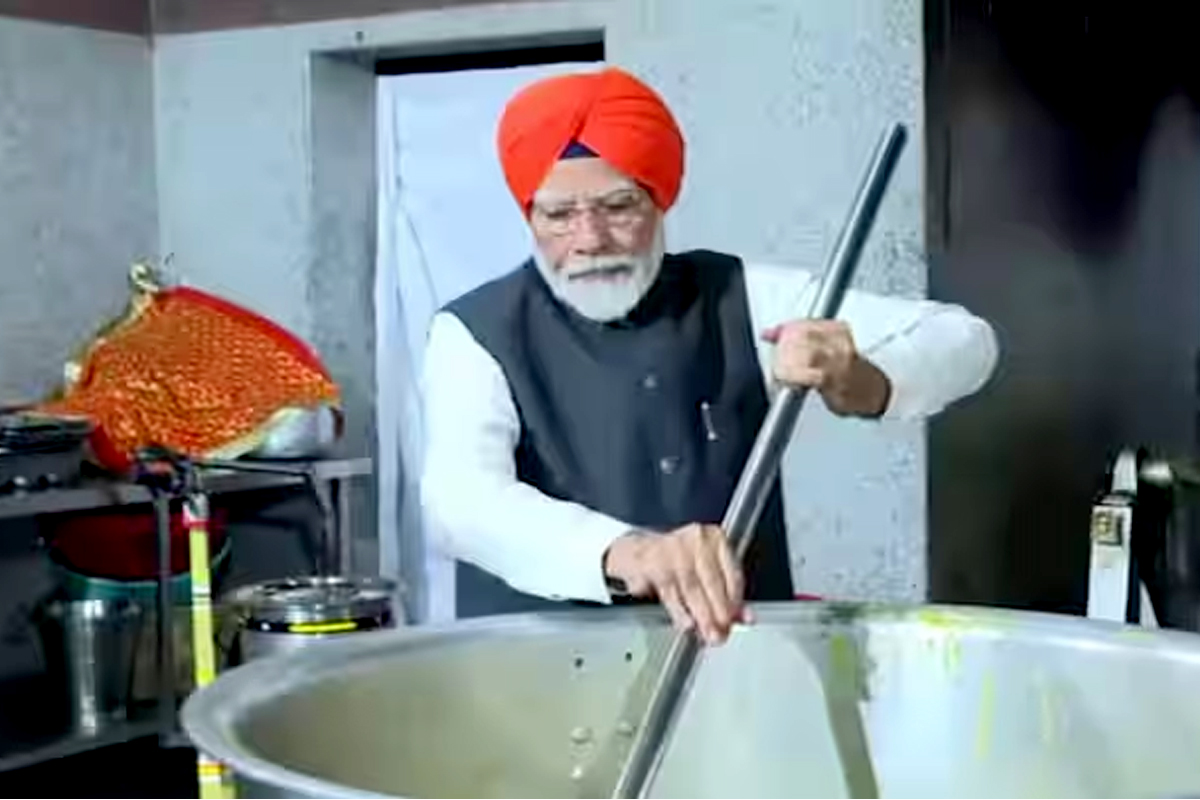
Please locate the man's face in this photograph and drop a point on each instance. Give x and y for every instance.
(599, 238)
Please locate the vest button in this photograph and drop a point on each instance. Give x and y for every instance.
(650, 382)
(668, 465)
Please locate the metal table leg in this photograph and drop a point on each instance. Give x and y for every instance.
(327, 541)
(343, 534)
(165, 650)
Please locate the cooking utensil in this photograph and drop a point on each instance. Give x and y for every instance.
(279, 616)
(954, 701)
(760, 470)
(89, 646)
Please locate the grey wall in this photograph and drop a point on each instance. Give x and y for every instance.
(341, 288)
(781, 103)
(77, 205)
(77, 191)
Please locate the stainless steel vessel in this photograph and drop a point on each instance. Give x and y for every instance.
(814, 700)
(89, 649)
(279, 616)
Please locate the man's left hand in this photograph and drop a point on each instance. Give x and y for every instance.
(820, 354)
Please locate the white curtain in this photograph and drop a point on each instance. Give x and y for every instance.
(446, 225)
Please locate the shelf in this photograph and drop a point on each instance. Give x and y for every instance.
(33, 728)
(28, 734)
(72, 744)
(101, 494)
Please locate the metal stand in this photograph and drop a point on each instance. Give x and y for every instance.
(164, 654)
(161, 476)
(1115, 589)
(168, 477)
(335, 545)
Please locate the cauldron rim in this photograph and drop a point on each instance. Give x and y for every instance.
(209, 714)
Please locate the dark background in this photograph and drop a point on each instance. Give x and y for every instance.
(1064, 206)
(180, 16)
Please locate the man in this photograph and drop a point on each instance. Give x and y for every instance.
(588, 414)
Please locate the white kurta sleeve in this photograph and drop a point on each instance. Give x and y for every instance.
(932, 353)
(473, 503)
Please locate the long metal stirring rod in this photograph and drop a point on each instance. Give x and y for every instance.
(758, 475)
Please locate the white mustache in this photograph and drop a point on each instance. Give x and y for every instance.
(588, 267)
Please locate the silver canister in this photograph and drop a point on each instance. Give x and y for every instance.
(89, 648)
(284, 615)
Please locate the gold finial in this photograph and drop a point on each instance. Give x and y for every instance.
(144, 278)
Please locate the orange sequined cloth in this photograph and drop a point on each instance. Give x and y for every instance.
(194, 373)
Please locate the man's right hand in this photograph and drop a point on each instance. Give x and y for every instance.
(691, 570)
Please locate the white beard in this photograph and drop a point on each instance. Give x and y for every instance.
(617, 285)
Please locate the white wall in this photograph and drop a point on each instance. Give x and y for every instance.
(781, 103)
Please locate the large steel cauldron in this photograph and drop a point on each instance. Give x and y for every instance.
(814, 700)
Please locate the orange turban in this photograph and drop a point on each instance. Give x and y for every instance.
(611, 113)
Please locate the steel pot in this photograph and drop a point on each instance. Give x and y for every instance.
(279, 616)
(89, 648)
(813, 700)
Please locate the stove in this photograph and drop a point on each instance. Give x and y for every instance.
(39, 451)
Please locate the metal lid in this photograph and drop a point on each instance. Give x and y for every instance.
(315, 599)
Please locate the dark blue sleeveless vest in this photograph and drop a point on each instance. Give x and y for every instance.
(611, 414)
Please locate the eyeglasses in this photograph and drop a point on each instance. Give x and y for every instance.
(622, 208)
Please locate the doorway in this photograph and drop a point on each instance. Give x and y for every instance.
(446, 224)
